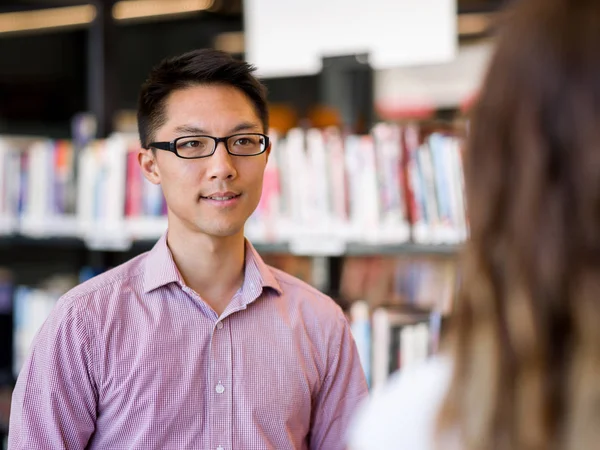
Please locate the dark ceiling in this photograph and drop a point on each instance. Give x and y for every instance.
(40, 93)
(465, 6)
(223, 6)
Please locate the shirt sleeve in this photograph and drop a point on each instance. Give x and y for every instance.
(342, 391)
(55, 399)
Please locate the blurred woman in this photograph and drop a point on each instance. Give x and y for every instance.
(521, 370)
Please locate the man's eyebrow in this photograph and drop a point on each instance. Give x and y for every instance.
(192, 129)
(245, 126)
(189, 129)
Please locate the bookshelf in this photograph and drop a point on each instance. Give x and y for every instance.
(325, 192)
(384, 209)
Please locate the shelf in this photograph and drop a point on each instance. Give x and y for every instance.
(350, 249)
(56, 227)
(8, 225)
(138, 234)
(364, 249)
(406, 248)
(19, 240)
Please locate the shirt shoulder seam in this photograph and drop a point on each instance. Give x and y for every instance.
(282, 276)
(75, 294)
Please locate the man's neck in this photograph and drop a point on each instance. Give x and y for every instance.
(212, 267)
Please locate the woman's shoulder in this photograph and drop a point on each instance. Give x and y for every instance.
(402, 414)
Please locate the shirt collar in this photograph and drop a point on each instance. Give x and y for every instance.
(257, 276)
(160, 270)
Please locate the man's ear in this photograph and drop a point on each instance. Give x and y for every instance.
(268, 151)
(149, 165)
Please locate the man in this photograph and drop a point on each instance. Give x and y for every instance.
(196, 344)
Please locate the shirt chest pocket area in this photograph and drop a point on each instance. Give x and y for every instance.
(277, 385)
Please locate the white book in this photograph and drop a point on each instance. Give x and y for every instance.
(422, 342)
(298, 184)
(279, 153)
(454, 196)
(382, 340)
(414, 345)
(370, 207)
(407, 347)
(88, 174)
(362, 186)
(115, 182)
(32, 308)
(429, 190)
(319, 207)
(458, 188)
(40, 188)
(384, 321)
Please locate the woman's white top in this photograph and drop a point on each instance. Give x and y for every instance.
(403, 413)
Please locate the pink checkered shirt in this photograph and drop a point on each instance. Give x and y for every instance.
(134, 359)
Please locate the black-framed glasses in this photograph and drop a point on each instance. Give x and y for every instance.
(201, 146)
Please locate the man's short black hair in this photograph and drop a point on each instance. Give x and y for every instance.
(198, 67)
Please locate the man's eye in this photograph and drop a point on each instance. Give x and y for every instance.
(244, 142)
(191, 144)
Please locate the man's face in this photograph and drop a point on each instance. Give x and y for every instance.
(213, 195)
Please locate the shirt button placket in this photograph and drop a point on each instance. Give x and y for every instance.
(221, 380)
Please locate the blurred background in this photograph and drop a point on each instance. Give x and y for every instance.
(363, 196)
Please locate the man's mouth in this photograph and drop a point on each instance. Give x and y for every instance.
(221, 197)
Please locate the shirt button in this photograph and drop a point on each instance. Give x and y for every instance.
(219, 325)
(220, 388)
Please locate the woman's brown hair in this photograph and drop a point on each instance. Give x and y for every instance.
(525, 337)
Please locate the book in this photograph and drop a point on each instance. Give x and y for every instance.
(399, 341)
(32, 305)
(419, 283)
(323, 189)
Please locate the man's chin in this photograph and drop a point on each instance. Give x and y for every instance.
(221, 231)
